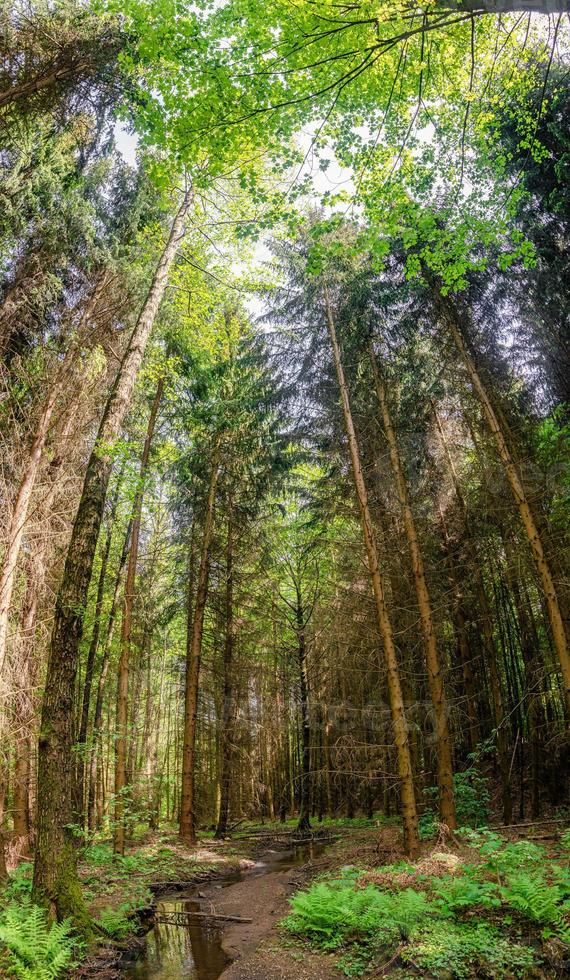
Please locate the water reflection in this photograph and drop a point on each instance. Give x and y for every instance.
(194, 951)
(172, 951)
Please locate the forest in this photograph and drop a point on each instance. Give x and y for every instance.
(284, 489)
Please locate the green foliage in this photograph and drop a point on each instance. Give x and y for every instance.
(471, 802)
(501, 857)
(36, 950)
(116, 922)
(542, 903)
(449, 923)
(100, 855)
(20, 882)
(332, 913)
(455, 893)
(463, 949)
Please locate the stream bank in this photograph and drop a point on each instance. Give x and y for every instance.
(203, 933)
(258, 871)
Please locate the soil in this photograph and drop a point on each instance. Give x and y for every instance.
(260, 950)
(257, 948)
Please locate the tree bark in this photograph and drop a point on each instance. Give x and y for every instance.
(435, 673)
(55, 876)
(98, 712)
(79, 786)
(489, 644)
(451, 319)
(21, 506)
(193, 662)
(397, 709)
(121, 734)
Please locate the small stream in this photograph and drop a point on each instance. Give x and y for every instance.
(193, 951)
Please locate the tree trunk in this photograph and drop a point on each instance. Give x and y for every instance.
(228, 707)
(304, 823)
(23, 696)
(397, 709)
(450, 316)
(193, 661)
(435, 674)
(21, 507)
(121, 734)
(488, 638)
(98, 712)
(55, 877)
(79, 787)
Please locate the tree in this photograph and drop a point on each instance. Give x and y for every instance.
(405, 771)
(55, 881)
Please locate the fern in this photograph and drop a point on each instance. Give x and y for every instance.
(36, 950)
(455, 894)
(544, 904)
(332, 913)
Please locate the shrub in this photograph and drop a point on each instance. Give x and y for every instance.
(36, 949)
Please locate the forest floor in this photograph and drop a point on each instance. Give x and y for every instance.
(489, 903)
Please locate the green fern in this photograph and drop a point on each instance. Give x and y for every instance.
(455, 894)
(36, 950)
(333, 913)
(544, 904)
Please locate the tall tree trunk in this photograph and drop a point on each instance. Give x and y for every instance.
(55, 876)
(488, 638)
(435, 673)
(397, 709)
(121, 734)
(23, 695)
(450, 316)
(79, 785)
(228, 707)
(304, 823)
(15, 531)
(98, 711)
(193, 662)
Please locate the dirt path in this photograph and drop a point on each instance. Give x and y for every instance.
(257, 948)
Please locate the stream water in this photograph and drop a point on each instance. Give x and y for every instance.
(193, 950)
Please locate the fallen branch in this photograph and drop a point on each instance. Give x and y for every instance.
(181, 918)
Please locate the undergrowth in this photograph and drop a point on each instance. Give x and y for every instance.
(493, 917)
(31, 948)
